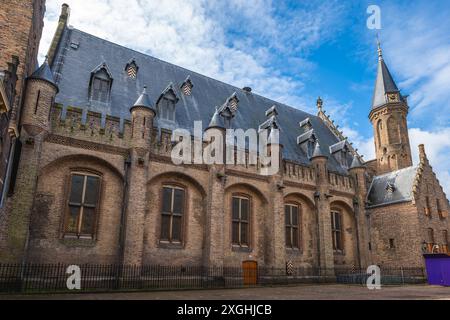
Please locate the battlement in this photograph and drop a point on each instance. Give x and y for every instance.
(88, 125)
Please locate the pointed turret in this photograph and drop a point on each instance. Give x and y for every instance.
(356, 162)
(216, 120)
(44, 73)
(318, 152)
(384, 84)
(143, 101)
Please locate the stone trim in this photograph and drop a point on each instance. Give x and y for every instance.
(71, 142)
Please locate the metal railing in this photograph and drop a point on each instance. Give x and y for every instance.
(55, 277)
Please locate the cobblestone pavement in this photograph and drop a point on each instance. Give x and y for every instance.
(300, 292)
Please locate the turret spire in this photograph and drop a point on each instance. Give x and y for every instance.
(380, 52)
(384, 84)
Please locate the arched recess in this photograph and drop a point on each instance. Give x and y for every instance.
(250, 188)
(379, 128)
(159, 239)
(256, 226)
(306, 253)
(82, 157)
(51, 210)
(349, 253)
(392, 127)
(178, 175)
(302, 197)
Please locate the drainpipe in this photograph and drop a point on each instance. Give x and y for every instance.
(357, 217)
(123, 217)
(316, 198)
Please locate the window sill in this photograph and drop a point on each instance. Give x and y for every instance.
(237, 248)
(294, 251)
(78, 242)
(170, 245)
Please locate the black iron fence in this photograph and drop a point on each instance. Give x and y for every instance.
(59, 277)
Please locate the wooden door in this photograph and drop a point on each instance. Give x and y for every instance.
(250, 271)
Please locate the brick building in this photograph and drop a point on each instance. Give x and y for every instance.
(95, 181)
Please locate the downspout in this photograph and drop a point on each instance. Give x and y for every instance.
(357, 217)
(316, 197)
(123, 214)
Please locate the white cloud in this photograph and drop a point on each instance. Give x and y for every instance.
(417, 49)
(193, 34)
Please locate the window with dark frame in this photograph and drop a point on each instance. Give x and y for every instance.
(100, 89)
(292, 220)
(391, 244)
(167, 109)
(336, 229)
(240, 221)
(82, 206)
(172, 214)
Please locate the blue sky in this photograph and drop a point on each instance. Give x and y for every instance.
(295, 51)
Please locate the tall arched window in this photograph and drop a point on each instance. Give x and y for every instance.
(173, 208)
(379, 128)
(240, 228)
(292, 224)
(336, 230)
(392, 127)
(82, 205)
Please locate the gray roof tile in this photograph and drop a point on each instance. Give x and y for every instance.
(74, 67)
(392, 187)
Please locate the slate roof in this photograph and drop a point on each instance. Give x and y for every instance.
(144, 100)
(383, 84)
(392, 187)
(44, 73)
(73, 65)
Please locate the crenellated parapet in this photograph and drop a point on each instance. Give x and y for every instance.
(81, 124)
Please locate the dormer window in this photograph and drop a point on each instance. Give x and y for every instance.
(167, 109)
(341, 152)
(131, 69)
(100, 85)
(166, 104)
(187, 86)
(307, 142)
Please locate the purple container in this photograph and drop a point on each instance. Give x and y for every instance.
(438, 268)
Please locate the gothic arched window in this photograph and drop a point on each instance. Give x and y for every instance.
(392, 127)
(100, 85)
(167, 109)
(166, 103)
